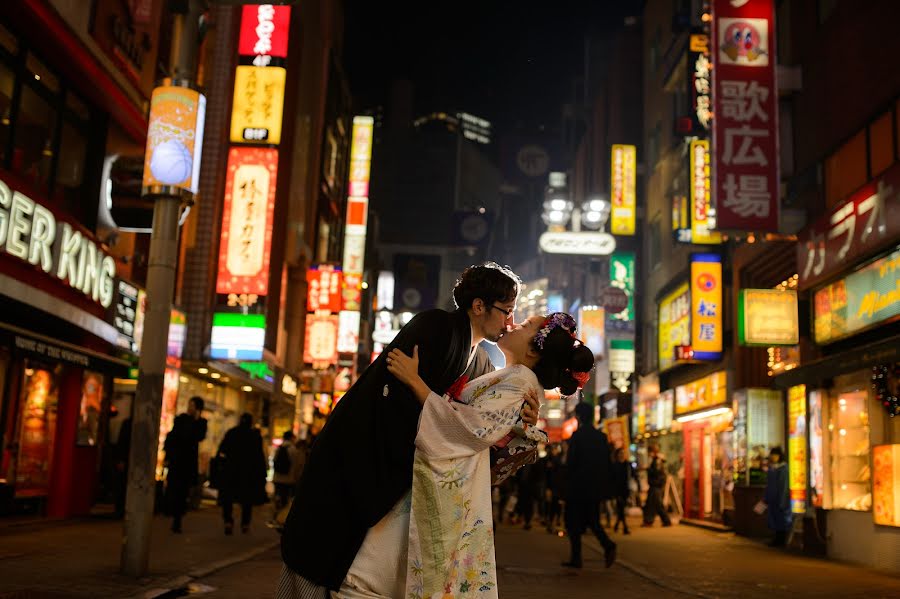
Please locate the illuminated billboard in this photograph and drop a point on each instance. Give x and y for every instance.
(247, 218)
(264, 32)
(702, 220)
(623, 178)
(674, 325)
(237, 336)
(258, 104)
(174, 141)
(324, 289)
(706, 306)
(768, 317)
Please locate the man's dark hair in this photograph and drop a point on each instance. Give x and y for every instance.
(488, 281)
(288, 436)
(777, 451)
(198, 402)
(584, 412)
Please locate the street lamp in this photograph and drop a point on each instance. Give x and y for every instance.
(557, 212)
(595, 213)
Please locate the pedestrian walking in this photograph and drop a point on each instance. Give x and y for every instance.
(287, 466)
(622, 474)
(529, 482)
(243, 472)
(587, 485)
(778, 499)
(656, 481)
(361, 463)
(553, 475)
(182, 448)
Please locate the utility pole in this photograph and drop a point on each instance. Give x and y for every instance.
(145, 413)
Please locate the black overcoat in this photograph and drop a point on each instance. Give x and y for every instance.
(361, 463)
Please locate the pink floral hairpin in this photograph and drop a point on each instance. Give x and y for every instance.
(557, 319)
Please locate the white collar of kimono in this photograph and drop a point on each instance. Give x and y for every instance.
(474, 347)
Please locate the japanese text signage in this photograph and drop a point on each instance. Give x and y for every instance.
(324, 289)
(700, 84)
(258, 103)
(706, 306)
(621, 276)
(320, 348)
(867, 222)
(797, 447)
(768, 317)
(708, 392)
(865, 298)
(247, 220)
(264, 32)
(745, 127)
(702, 219)
(674, 325)
(357, 219)
(623, 174)
(681, 219)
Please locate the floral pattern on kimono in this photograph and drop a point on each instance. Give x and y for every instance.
(451, 535)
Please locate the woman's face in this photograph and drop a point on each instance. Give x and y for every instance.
(516, 344)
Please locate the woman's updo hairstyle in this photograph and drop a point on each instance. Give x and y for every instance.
(565, 362)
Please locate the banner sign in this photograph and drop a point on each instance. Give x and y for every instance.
(708, 392)
(701, 208)
(768, 317)
(324, 289)
(621, 276)
(797, 447)
(237, 336)
(700, 84)
(264, 32)
(258, 104)
(865, 298)
(592, 329)
(320, 348)
(867, 222)
(247, 219)
(674, 325)
(623, 176)
(745, 127)
(174, 140)
(706, 306)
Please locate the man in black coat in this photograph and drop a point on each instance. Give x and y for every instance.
(361, 464)
(182, 447)
(587, 472)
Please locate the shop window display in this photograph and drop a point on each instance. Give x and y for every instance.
(91, 405)
(37, 430)
(848, 427)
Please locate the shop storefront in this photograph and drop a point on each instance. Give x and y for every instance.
(654, 427)
(846, 408)
(705, 414)
(57, 354)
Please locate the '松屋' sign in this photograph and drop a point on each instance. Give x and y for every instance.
(745, 123)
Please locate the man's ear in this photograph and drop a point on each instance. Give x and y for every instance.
(478, 306)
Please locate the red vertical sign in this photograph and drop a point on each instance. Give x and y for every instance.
(745, 122)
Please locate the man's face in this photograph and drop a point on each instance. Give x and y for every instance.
(498, 319)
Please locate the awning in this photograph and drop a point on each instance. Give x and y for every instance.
(819, 371)
(40, 346)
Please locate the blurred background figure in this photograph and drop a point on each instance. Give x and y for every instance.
(290, 457)
(621, 475)
(656, 479)
(553, 483)
(243, 472)
(182, 451)
(778, 499)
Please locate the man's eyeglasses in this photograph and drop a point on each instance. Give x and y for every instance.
(508, 311)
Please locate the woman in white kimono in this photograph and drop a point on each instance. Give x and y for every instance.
(438, 542)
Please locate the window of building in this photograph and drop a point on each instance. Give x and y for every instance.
(848, 430)
(45, 128)
(845, 170)
(881, 143)
(654, 250)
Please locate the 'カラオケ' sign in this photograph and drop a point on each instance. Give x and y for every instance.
(745, 126)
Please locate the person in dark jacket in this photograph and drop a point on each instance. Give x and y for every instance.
(182, 447)
(553, 475)
(361, 463)
(243, 473)
(622, 474)
(778, 499)
(587, 484)
(656, 481)
(530, 481)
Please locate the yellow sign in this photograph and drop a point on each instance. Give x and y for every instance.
(706, 306)
(623, 176)
(701, 223)
(886, 487)
(797, 447)
(768, 317)
(258, 104)
(674, 325)
(174, 140)
(704, 393)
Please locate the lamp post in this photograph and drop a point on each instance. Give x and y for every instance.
(172, 177)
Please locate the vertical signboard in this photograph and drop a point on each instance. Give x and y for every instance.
(623, 176)
(356, 227)
(699, 84)
(324, 291)
(247, 217)
(264, 32)
(592, 328)
(797, 447)
(621, 275)
(702, 219)
(706, 306)
(674, 326)
(745, 127)
(258, 102)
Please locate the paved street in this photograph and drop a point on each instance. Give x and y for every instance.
(61, 561)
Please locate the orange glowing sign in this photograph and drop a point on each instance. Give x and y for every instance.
(623, 175)
(174, 140)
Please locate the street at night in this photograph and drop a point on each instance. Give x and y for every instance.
(342, 299)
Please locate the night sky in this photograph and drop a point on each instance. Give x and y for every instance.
(510, 62)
